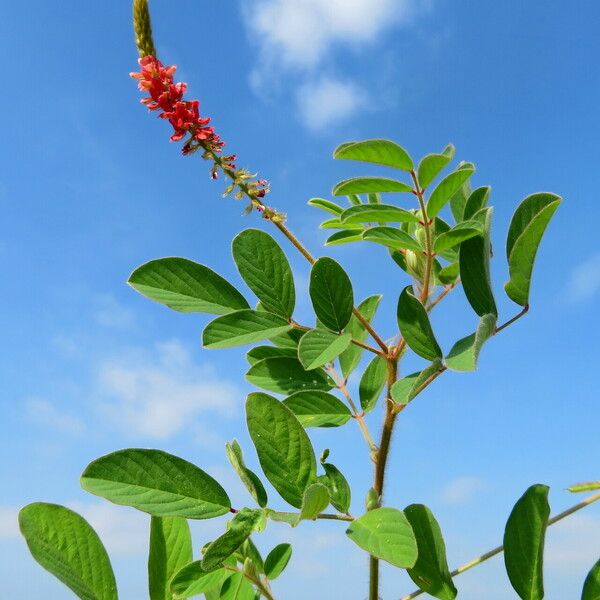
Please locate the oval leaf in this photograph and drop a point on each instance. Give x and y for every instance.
(319, 346)
(392, 238)
(477, 200)
(186, 286)
(157, 483)
(326, 205)
(461, 232)
(591, 586)
(318, 409)
(259, 353)
(446, 188)
(385, 533)
(277, 560)
(432, 164)
(286, 376)
(372, 383)
(464, 354)
(346, 236)
(524, 543)
(377, 213)
(378, 151)
(193, 580)
(407, 388)
(369, 185)
(249, 478)
(314, 501)
(284, 450)
(64, 544)
(339, 490)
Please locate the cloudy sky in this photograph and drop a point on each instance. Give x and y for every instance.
(90, 188)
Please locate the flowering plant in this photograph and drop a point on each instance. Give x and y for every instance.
(310, 366)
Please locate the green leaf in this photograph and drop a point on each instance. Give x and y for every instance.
(237, 587)
(192, 580)
(284, 450)
(374, 198)
(186, 286)
(459, 199)
(326, 205)
(346, 236)
(591, 586)
(524, 236)
(446, 188)
(354, 199)
(319, 346)
(266, 270)
(448, 274)
(431, 572)
(243, 327)
(405, 389)
(286, 376)
(378, 151)
(170, 551)
(64, 544)
(385, 533)
(465, 230)
(589, 486)
(432, 164)
(331, 294)
(240, 528)
(337, 224)
(477, 200)
(474, 260)
(377, 213)
(259, 353)
(314, 501)
(339, 490)
(249, 478)
(318, 409)
(372, 383)
(289, 339)
(277, 560)
(350, 358)
(524, 542)
(391, 237)
(415, 326)
(464, 354)
(368, 185)
(157, 483)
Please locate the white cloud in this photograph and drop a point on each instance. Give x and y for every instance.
(108, 312)
(157, 397)
(461, 490)
(327, 101)
(45, 413)
(9, 525)
(573, 544)
(585, 280)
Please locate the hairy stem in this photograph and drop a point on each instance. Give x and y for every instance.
(425, 291)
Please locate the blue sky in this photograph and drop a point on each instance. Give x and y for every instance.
(91, 188)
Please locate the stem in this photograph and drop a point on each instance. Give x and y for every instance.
(372, 332)
(511, 321)
(442, 295)
(499, 549)
(428, 244)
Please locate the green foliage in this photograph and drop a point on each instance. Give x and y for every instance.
(192, 580)
(464, 354)
(378, 213)
(372, 383)
(381, 152)
(591, 585)
(340, 493)
(277, 560)
(405, 389)
(368, 185)
(431, 165)
(446, 188)
(286, 376)
(318, 409)
(65, 545)
(392, 238)
(249, 478)
(319, 347)
(314, 501)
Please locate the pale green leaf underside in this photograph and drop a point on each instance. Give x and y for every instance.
(319, 346)
(461, 232)
(377, 213)
(432, 164)
(445, 189)
(314, 501)
(464, 354)
(192, 580)
(405, 389)
(248, 477)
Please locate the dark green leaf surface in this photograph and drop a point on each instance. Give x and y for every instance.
(286, 376)
(386, 534)
(157, 483)
(266, 270)
(318, 409)
(431, 572)
(193, 580)
(432, 164)
(465, 230)
(459, 199)
(346, 236)
(368, 185)
(259, 353)
(64, 544)
(237, 587)
(524, 236)
(284, 450)
(448, 274)
(319, 347)
(446, 188)
(477, 200)
(186, 286)
(378, 213)
(372, 383)
(339, 489)
(378, 151)
(464, 354)
(391, 237)
(277, 560)
(289, 339)
(591, 586)
(170, 551)
(243, 327)
(524, 543)
(249, 478)
(405, 389)
(415, 326)
(331, 294)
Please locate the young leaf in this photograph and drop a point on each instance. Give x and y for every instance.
(465, 230)
(464, 354)
(170, 551)
(415, 326)
(259, 353)
(589, 486)
(459, 199)
(186, 286)
(350, 358)
(243, 327)
(368, 185)
(249, 551)
(524, 236)
(385, 533)
(192, 580)
(314, 501)
(372, 383)
(326, 205)
(284, 450)
(337, 224)
(286, 376)
(157, 483)
(391, 237)
(477, 200)
(266, 270)
(432, 164)
(237, 587)
(446, 188)
(346, 236)
(240, 528)
(380, 152)
(431, 572)
(249, 478)
(331, 294)
(474, 260)
(524, 543)
(591, 585)
(277, 560)
(377, 213)
(448, 274)
(64, 544)
(318, 409)
(339, 490)
(405, 389)
(319, 347)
